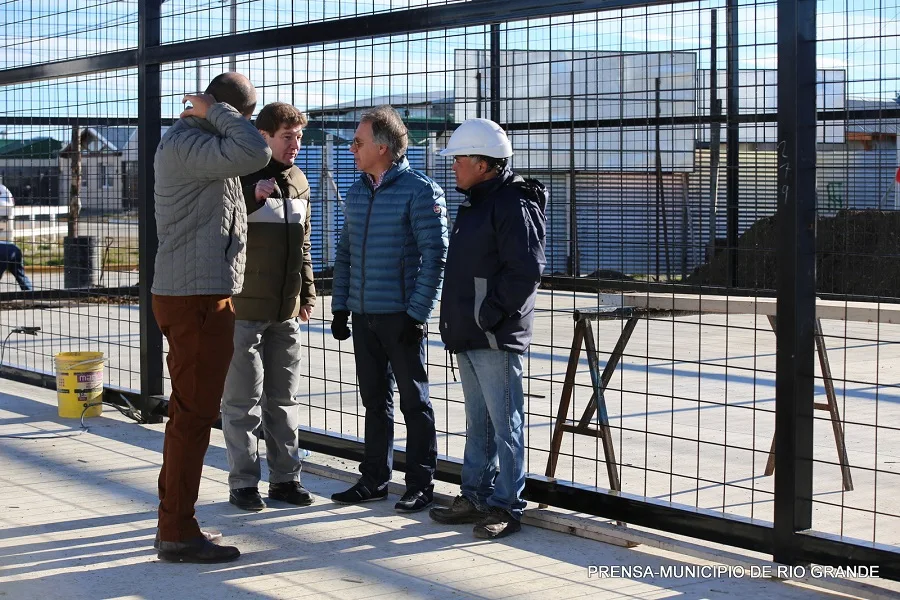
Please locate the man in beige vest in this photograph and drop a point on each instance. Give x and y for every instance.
(278, 295)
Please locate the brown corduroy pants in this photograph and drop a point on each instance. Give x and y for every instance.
(200, 332)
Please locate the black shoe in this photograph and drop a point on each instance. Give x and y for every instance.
(198, 550)
(247, 499)
(462, 510)
(211, 535)
(291, 492)
(497, 524)
(415, 500)
(361, 493)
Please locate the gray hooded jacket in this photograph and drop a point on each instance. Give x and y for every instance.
(201, 219)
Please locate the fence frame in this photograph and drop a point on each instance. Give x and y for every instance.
(788, 539)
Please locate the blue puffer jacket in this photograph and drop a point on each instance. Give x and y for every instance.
(494, 266)
(393, 246)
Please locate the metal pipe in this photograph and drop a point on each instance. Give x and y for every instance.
(232, 59)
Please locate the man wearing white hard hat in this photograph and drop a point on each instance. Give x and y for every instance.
(494, 266)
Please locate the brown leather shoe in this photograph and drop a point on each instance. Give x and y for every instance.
(211, 535)
(198, 550)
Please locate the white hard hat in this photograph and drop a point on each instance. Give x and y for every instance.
(479, 136)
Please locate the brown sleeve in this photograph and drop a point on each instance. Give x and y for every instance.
(308, 285)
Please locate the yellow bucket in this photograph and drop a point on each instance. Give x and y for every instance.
(79, 384)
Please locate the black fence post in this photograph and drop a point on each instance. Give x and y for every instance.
(796, 250)
(733, 141)
(495, 72)
(149, 124)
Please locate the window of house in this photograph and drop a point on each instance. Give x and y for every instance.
(105, 176)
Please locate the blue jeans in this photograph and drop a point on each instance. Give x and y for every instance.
(11, 260)
(495, 410)
(382, 360)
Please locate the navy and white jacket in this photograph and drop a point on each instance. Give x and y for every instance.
(494, 266)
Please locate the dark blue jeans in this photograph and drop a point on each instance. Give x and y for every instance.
(11, 260)
(381, 361)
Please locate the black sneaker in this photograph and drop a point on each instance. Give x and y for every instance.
(211, 535)
(462, 510)
(291, 492)
(360, 493)
(198, 550)
(497, 524)
(247, 499)
(415, 500)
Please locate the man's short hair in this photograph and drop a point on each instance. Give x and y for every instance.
(276, 115)
(234, 89)
(388, 129)
(497, 164)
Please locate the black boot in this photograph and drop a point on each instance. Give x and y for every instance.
(497, 524)
(291, 492)
(462, 510)
(247, 499)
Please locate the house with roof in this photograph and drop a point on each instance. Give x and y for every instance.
(102, 170)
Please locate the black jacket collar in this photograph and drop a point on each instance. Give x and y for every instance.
(480, 191)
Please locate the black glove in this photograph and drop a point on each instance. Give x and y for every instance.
(339, 328)
(413, 332)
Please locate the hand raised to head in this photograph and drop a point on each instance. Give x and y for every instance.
(200, 104)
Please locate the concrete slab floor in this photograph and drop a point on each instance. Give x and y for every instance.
(77, 520)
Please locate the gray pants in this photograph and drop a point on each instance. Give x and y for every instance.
(259, 395)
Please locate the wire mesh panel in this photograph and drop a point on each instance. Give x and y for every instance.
(70, 211)
(856, 253)
(663, 320)
(42, 31)
(184, 20)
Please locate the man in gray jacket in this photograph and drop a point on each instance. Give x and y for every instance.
(201, 222)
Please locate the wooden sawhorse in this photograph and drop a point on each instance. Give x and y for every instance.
(829, 405)
(643, 305)
(584, 335)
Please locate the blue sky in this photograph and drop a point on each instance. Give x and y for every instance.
(858, 36)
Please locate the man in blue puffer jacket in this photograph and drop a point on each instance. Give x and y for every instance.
(388, 271)
(487, 317)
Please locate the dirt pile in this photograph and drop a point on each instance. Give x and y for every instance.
(857, 253)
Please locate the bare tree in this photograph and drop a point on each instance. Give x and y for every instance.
(75, 188)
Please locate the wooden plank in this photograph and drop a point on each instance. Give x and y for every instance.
(865, 312)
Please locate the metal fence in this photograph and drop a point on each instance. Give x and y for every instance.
(718, 324)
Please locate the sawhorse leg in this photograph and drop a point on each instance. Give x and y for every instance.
(584, 334)
(830, 406)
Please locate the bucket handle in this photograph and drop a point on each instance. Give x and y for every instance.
(84, 362)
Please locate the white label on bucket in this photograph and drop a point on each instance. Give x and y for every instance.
(89, 377)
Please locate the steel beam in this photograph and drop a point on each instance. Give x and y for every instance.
(401, 22)
(824, 116)
(796, 266)
(149, 125)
